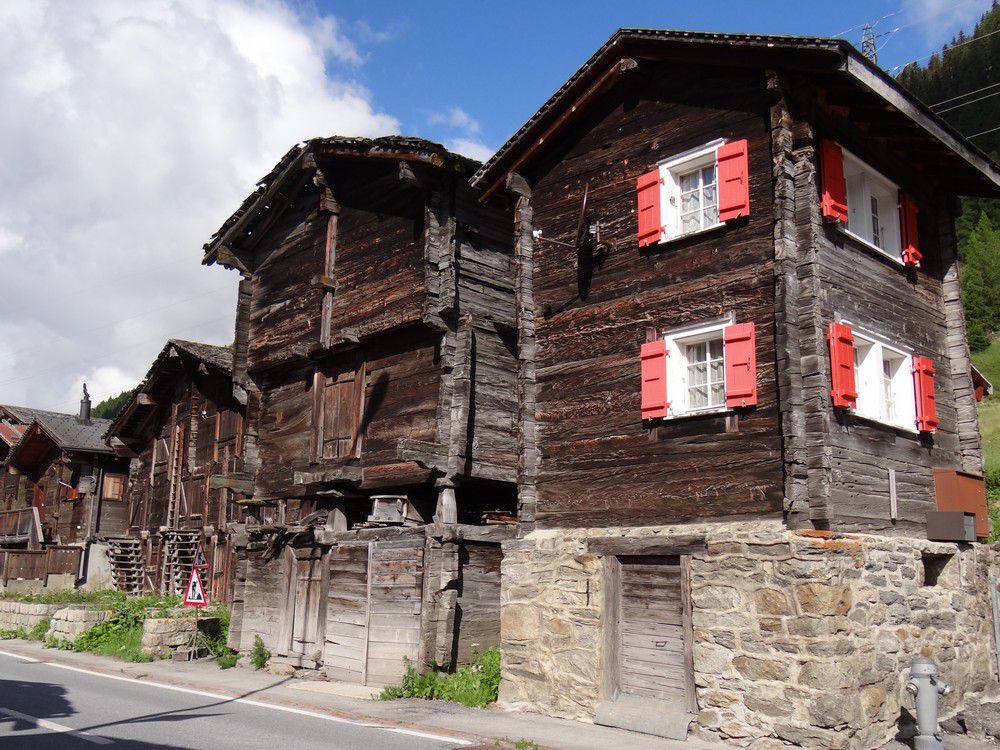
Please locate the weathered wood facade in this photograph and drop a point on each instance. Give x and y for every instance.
(376, 350)
(59, 466)
(586, 307)
(183, 431)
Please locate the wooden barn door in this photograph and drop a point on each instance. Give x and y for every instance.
(648, 681)
(373, 610)
(304, 614)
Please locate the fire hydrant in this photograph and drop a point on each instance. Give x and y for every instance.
(925, 686)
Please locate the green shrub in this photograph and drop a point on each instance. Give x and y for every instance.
(120, 635)
(476, 684)
(6, 635)
(227, 661)
(259, 654)
(38, 632)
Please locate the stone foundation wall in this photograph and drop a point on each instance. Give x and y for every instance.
(799, 639)
(15, 615)
(68, 623)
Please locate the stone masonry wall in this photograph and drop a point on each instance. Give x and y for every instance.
(15, 615)
(68, 623)
(799, 638)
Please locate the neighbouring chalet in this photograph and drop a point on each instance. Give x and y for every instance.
(746, 394)
(61, 485)
(183, 431)
(376, 351)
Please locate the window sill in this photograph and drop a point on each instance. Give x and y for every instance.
(692, 413)
(688, 235)
(870, 246)
(875, 421)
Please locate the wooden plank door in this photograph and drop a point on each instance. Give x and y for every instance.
(305, 614)
(648, 671)
(345, 651)
(652, 638)
(396, 578)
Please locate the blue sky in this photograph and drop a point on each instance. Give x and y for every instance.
(499, 61)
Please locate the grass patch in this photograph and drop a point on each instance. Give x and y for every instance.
(6, 635)
(227, 661)
(988, 362)
(101, 596)
(476, 684)
(120, 636)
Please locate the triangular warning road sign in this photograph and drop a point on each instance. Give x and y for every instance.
(200, 561)
(195, 594)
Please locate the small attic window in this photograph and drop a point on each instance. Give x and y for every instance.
(937, 568)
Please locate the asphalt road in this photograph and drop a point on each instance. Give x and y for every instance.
(44, 707)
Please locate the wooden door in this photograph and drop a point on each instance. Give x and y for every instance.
(652, 637)
(648, 671)
(373, 613)
(305, 613)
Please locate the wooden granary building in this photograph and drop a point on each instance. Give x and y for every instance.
(375, 349)
(740, 337)
(182, 433)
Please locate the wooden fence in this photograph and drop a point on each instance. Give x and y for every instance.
(37, 564)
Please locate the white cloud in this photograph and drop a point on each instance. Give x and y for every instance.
(457, 118)
(939, 19)
(464, 132)
(470, 147)
(128, 133)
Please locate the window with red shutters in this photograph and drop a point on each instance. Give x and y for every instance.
(908, 227)
(741, 365)
(648, 196)
(653, 356)
(834, 187)
(844, 390)
(734, 188)
(923, 388)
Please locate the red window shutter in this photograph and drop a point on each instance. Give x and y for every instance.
(834, 186)
(741, 365)
(648, 194)
(734, 187)
(654, 379)
(844, 391)
(908, 230)
(923, 386)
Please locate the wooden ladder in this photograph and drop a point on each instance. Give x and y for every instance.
(126, 564)
(179, 550)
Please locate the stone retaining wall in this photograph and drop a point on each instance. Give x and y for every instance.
(799, 639)
(70, 622)
(15, 615)
(161, 636)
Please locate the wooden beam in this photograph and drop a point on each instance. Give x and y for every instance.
(681, 545)
(237, 482)
(144, 399)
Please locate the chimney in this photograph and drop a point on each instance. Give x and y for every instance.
(84, 417)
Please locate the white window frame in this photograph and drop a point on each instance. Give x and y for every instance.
(670, 195)
(677, 340)
(870, 352)
(862, 184)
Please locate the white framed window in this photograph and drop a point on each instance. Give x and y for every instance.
(883, 374)
(696, 374)
(690, 195)
(872, 208)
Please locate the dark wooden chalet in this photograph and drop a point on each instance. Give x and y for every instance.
(183, 430)
(61, 484)
(737, 298)
(375, 349)
(759, 212)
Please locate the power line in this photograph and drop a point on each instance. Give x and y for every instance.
(64, 365)
(984, 132)
(971, 101)
(947, 49)
(962, 96)
(131, 317)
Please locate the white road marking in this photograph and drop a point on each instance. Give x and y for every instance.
(53, 727)
(27, 659)
(248, 702)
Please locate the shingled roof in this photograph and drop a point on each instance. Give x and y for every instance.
(65, 430)
(218, 358)
(391, 147)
